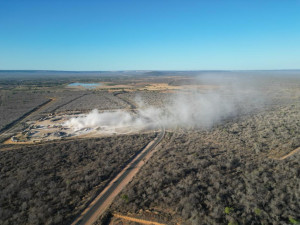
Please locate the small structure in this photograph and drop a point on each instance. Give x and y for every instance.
(14, 139)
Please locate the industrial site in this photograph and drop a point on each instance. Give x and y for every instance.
(78, 125)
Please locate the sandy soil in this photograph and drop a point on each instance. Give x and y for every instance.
(165, 87)
(140, 221)
(290, 154)
(149, 86)
(53, 127)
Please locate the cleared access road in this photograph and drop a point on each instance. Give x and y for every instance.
(106, 197)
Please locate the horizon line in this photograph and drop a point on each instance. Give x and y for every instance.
(145, 70)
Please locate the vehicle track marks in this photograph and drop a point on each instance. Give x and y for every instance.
(133, 219)
(106, 197)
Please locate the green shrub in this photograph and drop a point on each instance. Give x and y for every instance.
(257, 211)
(228, 210)
(293, 221)
(233, 223)
(124, 197)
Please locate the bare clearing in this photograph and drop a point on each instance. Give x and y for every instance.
(54, 127)
(133, 219)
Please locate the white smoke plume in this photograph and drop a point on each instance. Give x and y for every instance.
(191, 109)
(95, 119)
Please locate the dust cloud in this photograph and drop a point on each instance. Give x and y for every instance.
(194, 108)
(116, 119)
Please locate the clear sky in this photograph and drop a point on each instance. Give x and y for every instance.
(149, 34)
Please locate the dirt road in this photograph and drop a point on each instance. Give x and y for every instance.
(8, 128)
(290, 154)
(141, 221)
(106, 197)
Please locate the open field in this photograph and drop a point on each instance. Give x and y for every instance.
(230, 153)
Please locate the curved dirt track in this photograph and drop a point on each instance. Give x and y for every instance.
(106, 197)
(290, 154)
(141, 221)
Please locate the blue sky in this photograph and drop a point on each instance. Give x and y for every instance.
(150, 35)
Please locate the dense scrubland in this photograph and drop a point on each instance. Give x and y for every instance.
(227, 175)
(14, 104)
(63, 98)
(51, 183)
(148, 98)
(99, 99)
